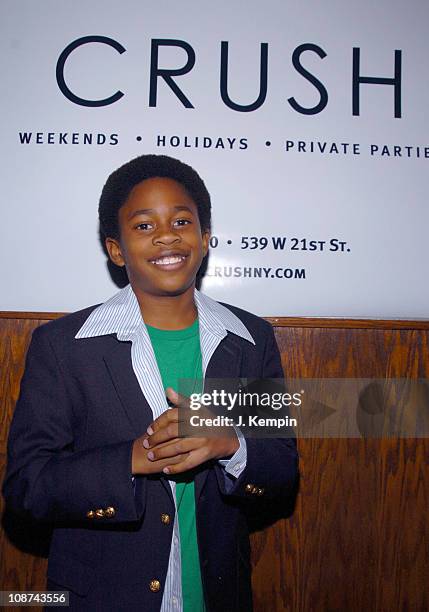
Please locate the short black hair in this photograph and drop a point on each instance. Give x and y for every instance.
(120, 183)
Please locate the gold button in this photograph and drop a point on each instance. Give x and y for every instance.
(99, 513)
(110, 512)
(260, 491)
(90, 514)
(165, 519)
(249, 488)
(154, 585)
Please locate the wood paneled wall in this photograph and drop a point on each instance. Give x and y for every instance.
(358, 538)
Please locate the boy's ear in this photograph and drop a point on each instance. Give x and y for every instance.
(206, 241)
(114, 249)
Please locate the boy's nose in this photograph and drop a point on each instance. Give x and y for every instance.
(166, 236)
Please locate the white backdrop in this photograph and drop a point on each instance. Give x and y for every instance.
(363, 182)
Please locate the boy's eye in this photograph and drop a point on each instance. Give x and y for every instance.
(144, 226)
(182, 222)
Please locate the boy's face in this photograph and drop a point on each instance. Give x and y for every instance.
(161, 243)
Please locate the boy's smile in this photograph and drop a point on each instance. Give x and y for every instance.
(161, 243)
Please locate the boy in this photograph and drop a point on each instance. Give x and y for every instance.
(144, 519)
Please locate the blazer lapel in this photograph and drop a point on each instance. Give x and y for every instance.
(225, 363)
(137, 409)
(118, 362)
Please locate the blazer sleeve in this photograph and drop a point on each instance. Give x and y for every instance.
(45, 477)
(272, 463)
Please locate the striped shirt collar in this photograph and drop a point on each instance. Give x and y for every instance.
(121, 315)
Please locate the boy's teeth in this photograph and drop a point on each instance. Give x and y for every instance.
(168, 260)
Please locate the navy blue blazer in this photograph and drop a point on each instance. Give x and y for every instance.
(69, 453)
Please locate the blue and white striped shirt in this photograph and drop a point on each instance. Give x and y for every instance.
(121, 315)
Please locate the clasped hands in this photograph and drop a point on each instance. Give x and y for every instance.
(161, 449)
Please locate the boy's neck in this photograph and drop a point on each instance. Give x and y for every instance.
(168, 312)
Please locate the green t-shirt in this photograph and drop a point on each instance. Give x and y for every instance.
(178, 354)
